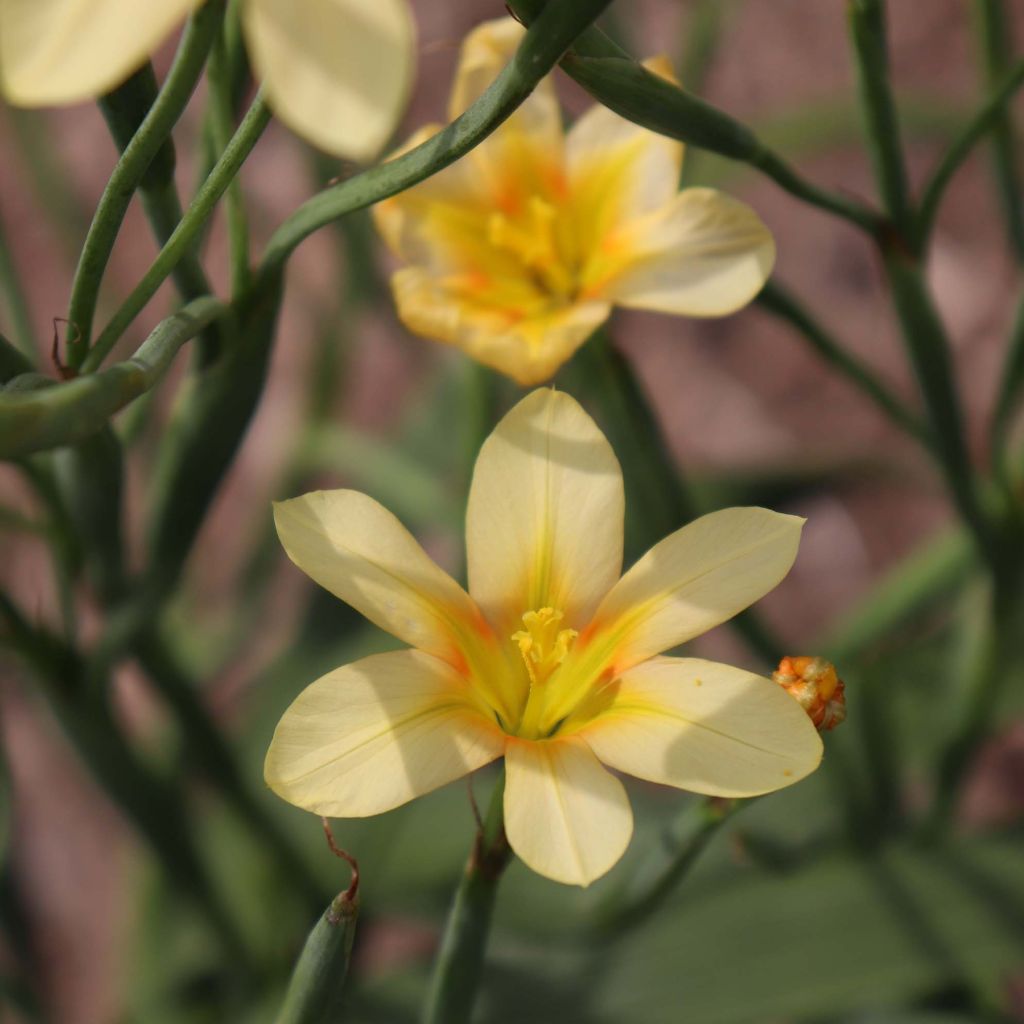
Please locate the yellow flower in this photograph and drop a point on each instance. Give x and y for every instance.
(335, 71)
(550, 661)
(519, 251)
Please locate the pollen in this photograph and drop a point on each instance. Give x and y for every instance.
(542, 644)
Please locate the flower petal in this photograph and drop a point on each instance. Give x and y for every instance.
(704, 727)
(617, 172)
(66, 51)
(372, 735)
(566, 817)
(477, 313)
(338, 72)
(694, 579)
(485, 52)
(544, 524)
(356, 549)
(703, 254)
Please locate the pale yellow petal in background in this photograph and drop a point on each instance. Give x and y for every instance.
(566, 817)
(544, 524)
(465, 310)
(703, 254)
(485, 52)
(524, 156)
(408, 221)
(337, 72)
(372, 735)
(359, 551)
(704, 727)
(616, 172)
(54, 52)
(696, 578)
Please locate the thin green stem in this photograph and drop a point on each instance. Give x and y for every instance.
(129, 172)
(927, 345)
(16, 301)
(977, 128)
(929, 575)
(460, 959)
(781, 303)
(13, 362)
(64, 413)
(653, 479)
(210, 753)
(548, 38)
(152, 804)
(665, 865)
(222, 123)
(248, 134)
(1011, 387)
(867, 28)
(997, 660)
(609, 74)
(316, 990)
(788, 179)
(994, 38)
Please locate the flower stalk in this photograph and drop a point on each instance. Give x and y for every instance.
(666, 865)
(131, 169)
(317, 986)
(994, 43)
(460, 959)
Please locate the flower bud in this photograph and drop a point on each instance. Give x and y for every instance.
(813, 682)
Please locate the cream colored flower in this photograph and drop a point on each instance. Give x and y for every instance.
(517, 252)
(551, 660)
(336, 71)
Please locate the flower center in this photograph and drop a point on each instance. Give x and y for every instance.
(542, 644)
(534, 240)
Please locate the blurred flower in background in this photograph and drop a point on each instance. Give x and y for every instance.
(518, 252)
(337, 72)
(551, 660)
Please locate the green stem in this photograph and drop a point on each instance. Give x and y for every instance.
(152, 804)
(926, 576)
(210, 753)
(1011, 386)
(666, 865)
(64, 413)
(550, 36)
(125, 110)
(927, 345)
(13, 362)
(460, 959)
(781, 303)
(205, 433)
(787, 178)
(653, 480)
(129, 172)
(178, 245)
(222, 122)
(14, 297)
(609, 74)
(867, 27)
(997, 660)
(994, 110)
(995, 37)
(317, 987)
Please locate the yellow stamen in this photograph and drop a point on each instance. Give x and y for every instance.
(542, 644)
(533, 240)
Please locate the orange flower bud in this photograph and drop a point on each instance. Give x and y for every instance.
(817, 688)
